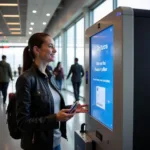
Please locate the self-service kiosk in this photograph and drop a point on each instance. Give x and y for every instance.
(117, 87)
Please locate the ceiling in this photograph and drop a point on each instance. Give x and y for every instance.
(21, 32)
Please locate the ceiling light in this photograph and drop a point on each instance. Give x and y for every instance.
(8, 4)
(32, 23)
(44, 23)
(16, 29)
(13, 23)
(30, 32)
(15, 32)
(48, 14)
(17, 16)
(34, 11)
(31, 28)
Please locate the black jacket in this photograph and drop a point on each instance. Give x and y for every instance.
(35, 110)
(77, 72)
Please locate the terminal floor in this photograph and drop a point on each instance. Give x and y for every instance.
(7, 143)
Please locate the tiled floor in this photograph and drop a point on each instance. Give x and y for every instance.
(7, 143)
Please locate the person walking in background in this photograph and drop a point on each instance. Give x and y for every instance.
(15, 73)
(59, 74)
(5, 75)
(77, 73)
(19, 70)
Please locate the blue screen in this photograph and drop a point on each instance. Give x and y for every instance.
(101, 79)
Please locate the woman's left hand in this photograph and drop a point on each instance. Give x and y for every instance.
(82, 108)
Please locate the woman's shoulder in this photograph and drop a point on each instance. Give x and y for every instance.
(28, 73)
(26, 76)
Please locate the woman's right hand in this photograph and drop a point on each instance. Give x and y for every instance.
(63, 115)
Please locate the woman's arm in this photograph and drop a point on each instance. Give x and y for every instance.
(24, 120)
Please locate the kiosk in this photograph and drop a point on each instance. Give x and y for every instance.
(117, 87)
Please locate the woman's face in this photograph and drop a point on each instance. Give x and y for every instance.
(47, 50)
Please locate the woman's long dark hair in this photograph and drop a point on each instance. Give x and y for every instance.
(36, 39)
(58, 64)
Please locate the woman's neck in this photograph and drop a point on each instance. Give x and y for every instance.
(41, 65)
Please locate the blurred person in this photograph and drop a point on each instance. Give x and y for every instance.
(5, 76)
(41, 110)
(19, 70)
(15, 73)
(59, 74)
(77, 73)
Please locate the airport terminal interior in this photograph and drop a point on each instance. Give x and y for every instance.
(71, 23)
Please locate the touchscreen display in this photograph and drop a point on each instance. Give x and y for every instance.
(101, 76)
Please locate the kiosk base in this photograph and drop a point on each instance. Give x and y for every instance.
(82, 141)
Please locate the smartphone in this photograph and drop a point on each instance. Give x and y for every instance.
(73, 107)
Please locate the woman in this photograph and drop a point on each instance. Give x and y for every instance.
(41, 111)
(59, 74)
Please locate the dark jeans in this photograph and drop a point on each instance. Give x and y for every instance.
(57, 148)
(3, 88)
(59, 83)
(76, 89)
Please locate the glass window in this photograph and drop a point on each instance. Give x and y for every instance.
(59, 49)
(80, 41)
(70, 54)
(140, 4)
(102, 10)
(80, 48)
(75, 48)
(57, 53)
